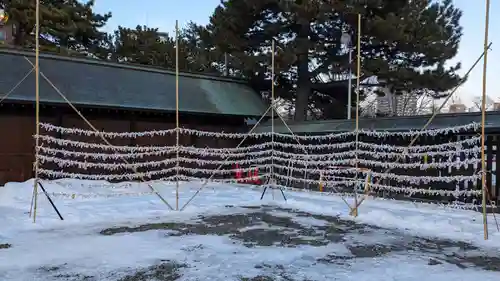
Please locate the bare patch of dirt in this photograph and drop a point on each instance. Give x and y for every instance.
(273, 226)
(258, 278)
(63, 272)
(166, 271)
(259, 228)
(279, 274)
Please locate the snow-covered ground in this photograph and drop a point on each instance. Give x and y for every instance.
(227, 233)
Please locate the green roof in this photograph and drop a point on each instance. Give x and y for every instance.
(402, 123)
(90, 82)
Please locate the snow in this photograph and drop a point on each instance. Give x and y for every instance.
(74, 247)
(425, 220)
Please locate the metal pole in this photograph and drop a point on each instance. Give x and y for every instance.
(349, 90)
(226, 70)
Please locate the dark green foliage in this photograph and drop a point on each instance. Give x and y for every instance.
(408, 45)
(148, 46)
(143, 45)
(202, 54)
(405, 43)
(65, 25)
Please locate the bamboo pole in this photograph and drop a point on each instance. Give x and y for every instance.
(272, 116)
(205, 182)
(99, 133)
(429, 121)
(297, 140)
(483, 119)
(358, 74)
(37, 106)
(177, 129)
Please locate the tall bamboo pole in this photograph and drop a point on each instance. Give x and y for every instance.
(177, 129)
(37, 106)
(272, 113)
(358, 74)
(429, 121)
(483, 119)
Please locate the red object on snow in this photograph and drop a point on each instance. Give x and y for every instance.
(238, 175)
(256, 179)
(252, 175)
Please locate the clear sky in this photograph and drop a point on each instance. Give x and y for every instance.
(164, 13)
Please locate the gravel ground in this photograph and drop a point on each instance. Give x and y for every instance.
(283, 228)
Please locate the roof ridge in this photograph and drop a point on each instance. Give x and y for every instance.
(91, 84)
(138, 67)
(390, 118)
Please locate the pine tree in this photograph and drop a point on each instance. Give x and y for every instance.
(199, 48)
(149, 46)
(65, 25)
(406, 43)
(144, 45)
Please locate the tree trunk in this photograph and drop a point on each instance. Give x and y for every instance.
(303, 88)
(303, 80)
(21, 35)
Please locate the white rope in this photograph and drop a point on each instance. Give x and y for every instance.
(65, 195)
(132, 135)
(62, 158)
(387, 176)
(414, 151)
(452, 205)
(61, 162)
(379, 187)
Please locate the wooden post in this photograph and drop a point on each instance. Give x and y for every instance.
(321, 181)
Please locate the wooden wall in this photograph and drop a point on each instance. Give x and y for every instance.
(17, 128)
(16, 145)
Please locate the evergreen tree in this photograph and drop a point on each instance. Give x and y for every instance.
(144, 45)
(202, 54)
(65, 25)
(406, 43)
(148, 46)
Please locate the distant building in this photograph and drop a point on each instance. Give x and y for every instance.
(163, 37)
(404, 104)
(457, 108)
(496, 106)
